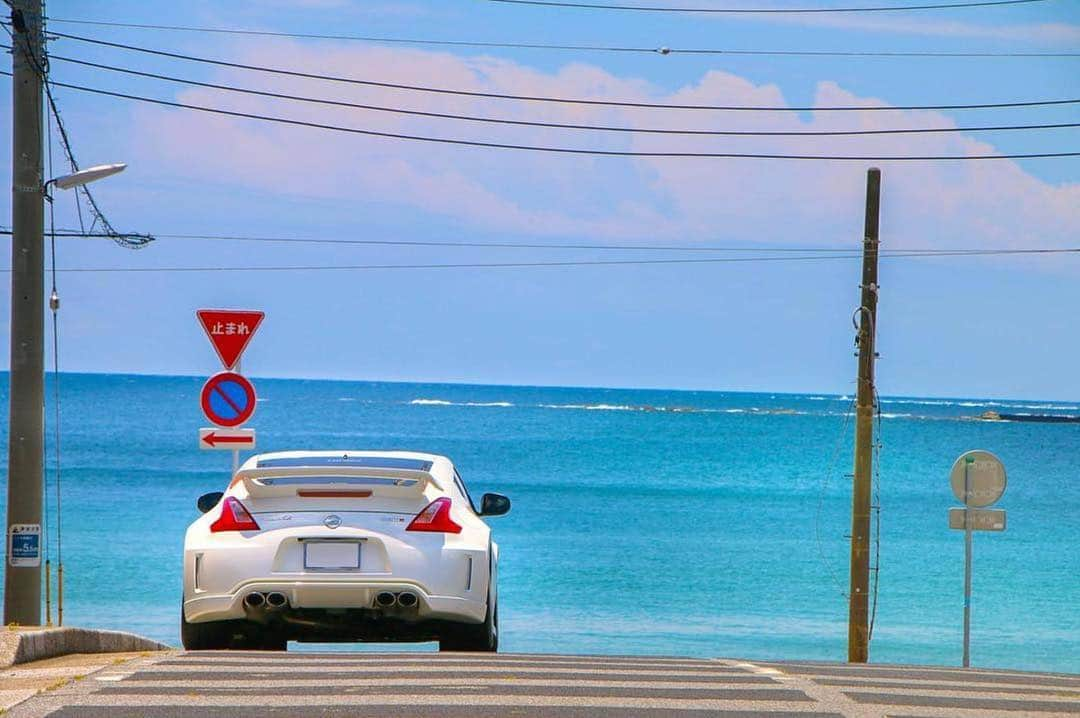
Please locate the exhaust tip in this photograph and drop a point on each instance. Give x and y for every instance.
(276, 599)
(407, 600)
(385, 599)
(254, 599)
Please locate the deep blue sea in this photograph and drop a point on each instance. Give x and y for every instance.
(644, 522)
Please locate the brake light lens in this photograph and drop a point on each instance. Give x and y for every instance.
(435, 517)
(234, 517)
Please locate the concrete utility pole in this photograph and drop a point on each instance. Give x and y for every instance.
(22, 577)
(858, 594)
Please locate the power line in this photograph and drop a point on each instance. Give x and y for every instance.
(551, 125)
(756, 11)
(549, 149)
(565, 264)
(562, 100)
(73, 234)
(660, 50)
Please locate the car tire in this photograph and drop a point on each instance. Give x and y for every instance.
(209, 636)
(474, 637)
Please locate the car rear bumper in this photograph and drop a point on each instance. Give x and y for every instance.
(328, 594)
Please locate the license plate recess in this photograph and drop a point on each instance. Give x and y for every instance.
(332, 555)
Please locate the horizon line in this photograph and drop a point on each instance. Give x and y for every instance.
(553, 386)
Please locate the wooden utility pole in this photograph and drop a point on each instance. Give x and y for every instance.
(859, 590)
(22, 577)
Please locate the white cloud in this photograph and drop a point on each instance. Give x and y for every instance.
(986, 203)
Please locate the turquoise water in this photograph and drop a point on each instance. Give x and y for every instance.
(644, 522)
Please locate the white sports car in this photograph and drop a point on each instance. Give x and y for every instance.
(342, 546)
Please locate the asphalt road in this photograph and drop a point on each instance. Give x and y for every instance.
(424, 685)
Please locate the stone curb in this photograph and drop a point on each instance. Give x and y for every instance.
(23, 646)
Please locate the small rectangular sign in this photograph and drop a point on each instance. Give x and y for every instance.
(227, 439)
(981, 519)
(24, 545)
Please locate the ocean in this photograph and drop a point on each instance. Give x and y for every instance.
(685, 523)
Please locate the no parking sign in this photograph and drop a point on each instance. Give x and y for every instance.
(228, 399)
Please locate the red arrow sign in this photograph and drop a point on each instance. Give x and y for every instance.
(227, 439)
(213, 439)
(229, 331)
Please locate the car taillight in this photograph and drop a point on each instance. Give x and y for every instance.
(234, 517)
(435, 517)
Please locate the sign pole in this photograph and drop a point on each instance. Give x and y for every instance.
(236, 452)
(967, 564)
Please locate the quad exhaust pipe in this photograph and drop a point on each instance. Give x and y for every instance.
(276, 600)
(405, 599)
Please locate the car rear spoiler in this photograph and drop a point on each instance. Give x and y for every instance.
(339, 481)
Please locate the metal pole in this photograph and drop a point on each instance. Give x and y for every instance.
(236, 452)
(858, 595)
(22, 584)
(967, 566)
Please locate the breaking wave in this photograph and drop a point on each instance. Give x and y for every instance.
(443, 402)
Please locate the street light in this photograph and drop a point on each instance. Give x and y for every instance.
(86, 176)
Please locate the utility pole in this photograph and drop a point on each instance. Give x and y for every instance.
(22, 577)
(858, 594)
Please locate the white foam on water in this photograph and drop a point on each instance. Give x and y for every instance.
(443, 402)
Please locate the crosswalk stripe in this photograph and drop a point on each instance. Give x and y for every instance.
(921, 674)
(325, 662)
(952, 686)
(967, 702)
(407, 699)
(287, 669)
(493, 693)
(256, 683)
(450, 656)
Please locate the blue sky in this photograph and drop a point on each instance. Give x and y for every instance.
(948, 326)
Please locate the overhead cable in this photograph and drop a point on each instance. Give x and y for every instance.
(553, 125)
(508, 45)
(76, 234)
(551, 149)
(561, 100)
(535, 265)
(761, 10)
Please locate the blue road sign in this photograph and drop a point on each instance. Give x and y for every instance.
(24, 545)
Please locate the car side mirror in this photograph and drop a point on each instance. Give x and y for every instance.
(209, 501)
(494, 505)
